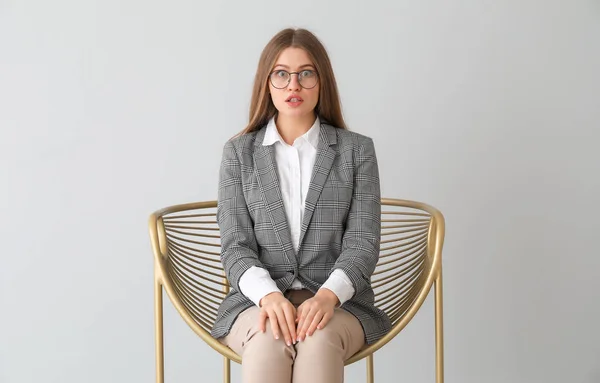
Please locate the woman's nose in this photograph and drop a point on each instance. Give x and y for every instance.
(294, 83)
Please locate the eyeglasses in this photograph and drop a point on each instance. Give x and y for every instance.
(281, 78)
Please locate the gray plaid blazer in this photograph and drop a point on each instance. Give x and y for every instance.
(340, 229)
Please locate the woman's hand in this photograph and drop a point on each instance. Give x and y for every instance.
(281, 314)
(314, 313)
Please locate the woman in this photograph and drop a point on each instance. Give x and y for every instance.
(299, 216)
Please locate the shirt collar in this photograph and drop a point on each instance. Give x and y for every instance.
(311, 136)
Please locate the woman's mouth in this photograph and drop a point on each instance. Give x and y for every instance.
(294, 101)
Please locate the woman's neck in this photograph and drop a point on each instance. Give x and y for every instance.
(291, 128)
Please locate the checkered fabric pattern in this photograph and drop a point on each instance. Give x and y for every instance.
(341, 225)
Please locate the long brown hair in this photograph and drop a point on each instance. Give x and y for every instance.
(328, 107)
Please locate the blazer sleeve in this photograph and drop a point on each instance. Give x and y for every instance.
(362, 236)
(239, 249)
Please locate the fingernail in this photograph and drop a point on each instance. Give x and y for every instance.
(288, 343)
(276, 336)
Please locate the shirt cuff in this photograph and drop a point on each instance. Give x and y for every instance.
(340, 284)
(255, 283)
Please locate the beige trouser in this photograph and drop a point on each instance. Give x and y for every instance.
(318, 359)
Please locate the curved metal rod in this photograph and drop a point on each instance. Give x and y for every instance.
(401, 307)
(176, 263)
(394, 290)
(403, 294)
(201, 312)
(412, 229)
(424, 232)
(389, 227)
(201, 287)
(190, 306)
(385, 280)
(194, 259)
(400, 212)
(415, 242)
(193, 234)
(405, 306)
(170, 216)
(195, 253)
(197, 286)
(171, 236)
(190, 268)
(415, 249)
(382, 271)
(181, 266)
(405, 220)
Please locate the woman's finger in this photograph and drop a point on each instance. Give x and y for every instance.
(300, 313)
(274, 325)
(289, 313)
(262, 321)
(313, 325)
(324, 321)
(306, 321)
(283, 326)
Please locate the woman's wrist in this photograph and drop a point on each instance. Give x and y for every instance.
(266, 298)
(328, 295)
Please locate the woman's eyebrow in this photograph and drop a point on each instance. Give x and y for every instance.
(301, 66)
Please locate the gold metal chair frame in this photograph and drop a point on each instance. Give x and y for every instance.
(185, 242)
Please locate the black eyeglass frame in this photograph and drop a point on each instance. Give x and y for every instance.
(290, 78)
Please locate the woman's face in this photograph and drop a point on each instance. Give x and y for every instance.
(295, 99)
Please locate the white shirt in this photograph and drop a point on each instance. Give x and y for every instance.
(294, 168)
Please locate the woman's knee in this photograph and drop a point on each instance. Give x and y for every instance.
(265, 346)
(343, 335)
(321, 340)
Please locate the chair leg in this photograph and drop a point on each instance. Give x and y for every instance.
(370, 372)
(226, 370)
(439, 331)
(158, 331)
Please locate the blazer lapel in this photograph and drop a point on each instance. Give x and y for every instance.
(323, 163)
(265, 170)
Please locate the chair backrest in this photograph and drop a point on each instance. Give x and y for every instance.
(187, 248)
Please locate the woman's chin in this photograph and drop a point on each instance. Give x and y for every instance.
(295, 112)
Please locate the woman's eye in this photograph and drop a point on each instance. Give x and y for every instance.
(281, 73)
(307, 73)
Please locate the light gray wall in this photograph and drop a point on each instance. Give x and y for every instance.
(489, 110)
